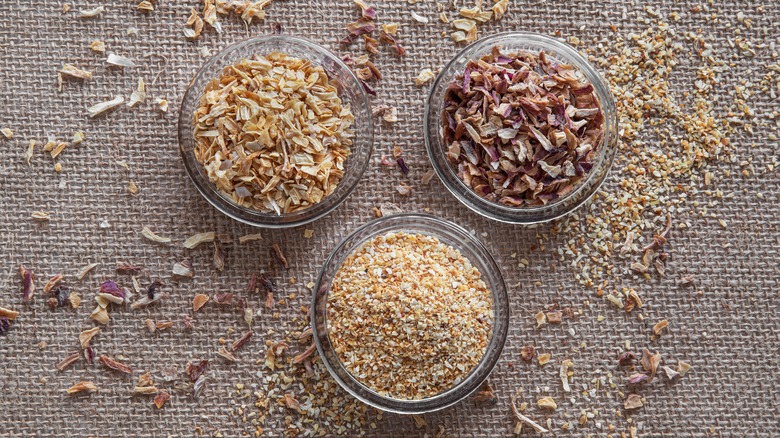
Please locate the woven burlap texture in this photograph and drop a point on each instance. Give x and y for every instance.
(729, 333)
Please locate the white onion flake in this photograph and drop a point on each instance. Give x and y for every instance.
(119, 61)
(100, 108)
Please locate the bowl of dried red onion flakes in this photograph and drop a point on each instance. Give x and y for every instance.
(521, 128)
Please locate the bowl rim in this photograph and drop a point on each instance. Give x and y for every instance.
(254, 217)
(499, 293)
(479, 204)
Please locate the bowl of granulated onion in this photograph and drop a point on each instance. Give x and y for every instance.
(275, 131)
(410, 313)
(521, 128)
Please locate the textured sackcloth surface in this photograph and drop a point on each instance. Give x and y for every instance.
(729, 333)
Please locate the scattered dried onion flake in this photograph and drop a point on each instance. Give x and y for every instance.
(74, 72)
(81, 387)
(85, 270)
(114, 365)
(183, 269)
(199, 238)
(40, 215)
(74, 299)
(566, 365)
(138, 95)
(145, 6)
(683, 368)
(145, 390)
(8, 313)
(660, 326)
(419, 18)
(227, 355)
(199, 301)
(650, 361)
(89, 13)
(424, 77)
(100, 108)
(520, 417)
(146, 232)
(161, 398)
(162, 105)
(68, 361)
(119, 61)
(28, 154)
(193, 26)
(633, 401)
(670, 373)
(97, 46)
(86, 336)
(499, 9)
(100, 315)
(547, 403)
(250, 237)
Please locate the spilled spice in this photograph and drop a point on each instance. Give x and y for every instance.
(183, 269)
(240, 342)
(81, 387)
(633, 401)
(28, 284)
(86, 336)
(527, 353)
(196, 369)
(279, 257)
(161, 398)
(199, 301)
(196, 239)
(5, 325)
(68, 361)
(115, 365)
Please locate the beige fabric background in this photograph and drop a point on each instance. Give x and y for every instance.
(729, 334)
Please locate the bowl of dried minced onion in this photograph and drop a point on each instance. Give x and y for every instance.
(410, 313)
(275, 131)
(521, 128)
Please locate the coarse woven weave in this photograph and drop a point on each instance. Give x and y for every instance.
(728, 332)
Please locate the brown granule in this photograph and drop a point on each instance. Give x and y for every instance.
(408, 315)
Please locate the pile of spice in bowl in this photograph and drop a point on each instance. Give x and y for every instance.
(521, 128)
(272, 133)
(410, 313)
(275, 131)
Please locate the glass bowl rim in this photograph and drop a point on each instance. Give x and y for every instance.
(506, 214)
(489, 360)
(250, 216)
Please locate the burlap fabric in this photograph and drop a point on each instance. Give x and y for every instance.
(729, 333)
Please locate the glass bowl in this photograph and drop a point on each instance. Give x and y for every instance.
(350, 90)
(437, 152)
(447, 233)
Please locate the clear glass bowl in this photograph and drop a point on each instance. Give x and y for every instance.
(470, 248)
(350, 91)
(437, 152)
